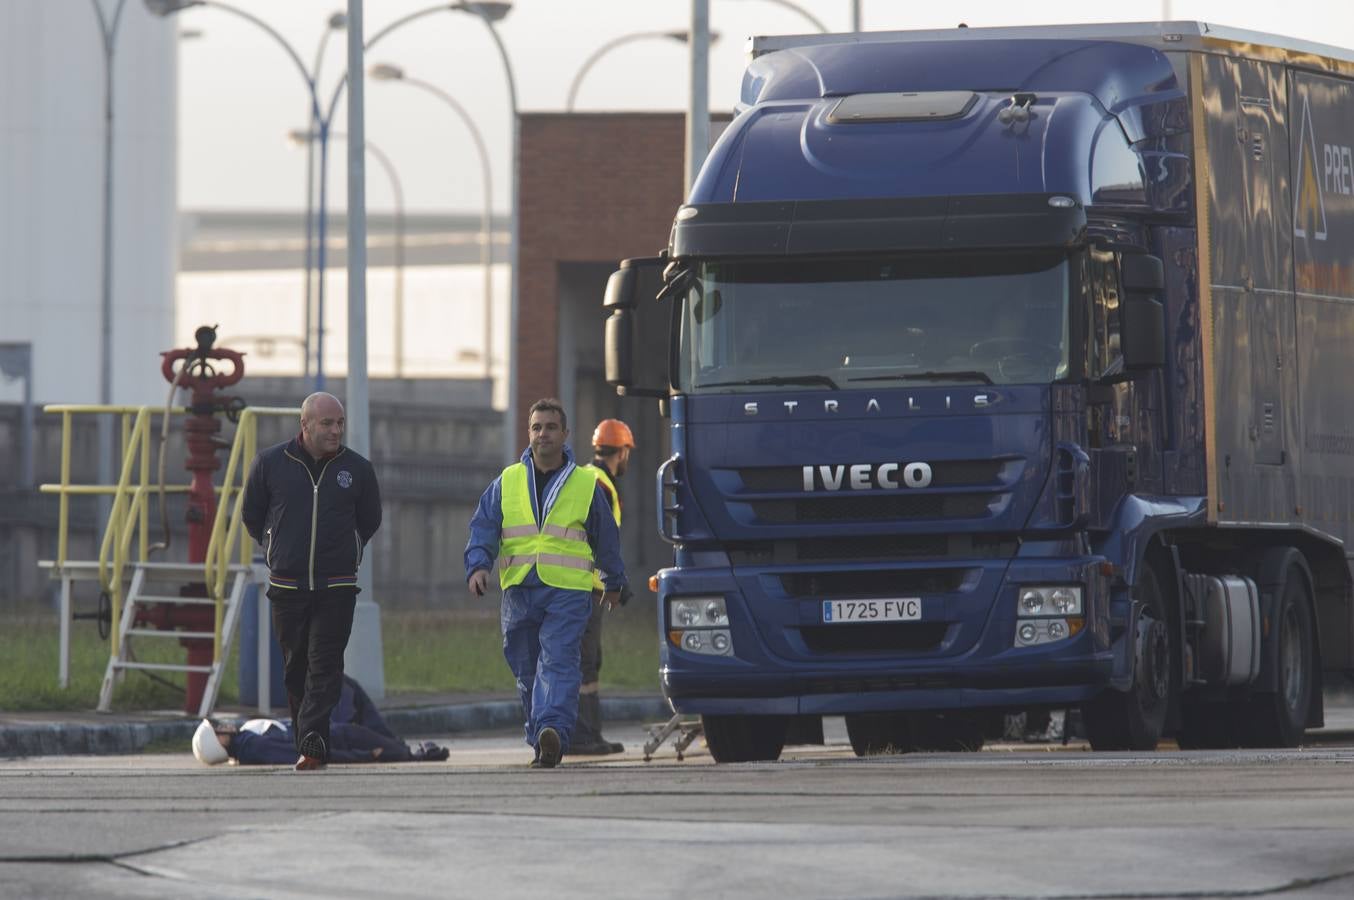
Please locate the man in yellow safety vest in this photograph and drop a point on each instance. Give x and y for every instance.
(548, 525)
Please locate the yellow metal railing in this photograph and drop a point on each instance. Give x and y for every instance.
(227, 527)
(129, 517)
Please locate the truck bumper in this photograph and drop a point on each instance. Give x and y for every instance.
(838, 693)
(782, 664)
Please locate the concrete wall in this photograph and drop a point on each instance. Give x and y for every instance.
(51, 181)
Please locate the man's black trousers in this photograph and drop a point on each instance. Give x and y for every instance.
(313, 628)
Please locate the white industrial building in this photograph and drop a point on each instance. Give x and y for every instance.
(52, 130)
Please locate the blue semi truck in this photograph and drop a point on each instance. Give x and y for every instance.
(1009, 369)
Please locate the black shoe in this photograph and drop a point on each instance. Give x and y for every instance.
(430, 752)
(313, 746)
(550, 747)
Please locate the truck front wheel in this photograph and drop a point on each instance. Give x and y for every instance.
(874, 733)
(744, 738)
(1133, 719)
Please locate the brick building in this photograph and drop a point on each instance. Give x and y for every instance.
(595, 189)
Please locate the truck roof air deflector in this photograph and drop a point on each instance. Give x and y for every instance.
(902, 107)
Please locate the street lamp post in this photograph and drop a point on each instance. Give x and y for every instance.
(299, 137)
(680, 36)
(817, 22)
(166, 8)
(337, 21)
(108, 31)
(490, 12)
(386, 72)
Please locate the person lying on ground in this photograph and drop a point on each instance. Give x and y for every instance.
(354, 707)
(269, 742)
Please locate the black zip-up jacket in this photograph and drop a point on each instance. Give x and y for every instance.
(313, 517)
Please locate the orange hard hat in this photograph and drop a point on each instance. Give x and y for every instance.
(612, 433)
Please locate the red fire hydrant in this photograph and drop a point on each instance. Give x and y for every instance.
(199, 375)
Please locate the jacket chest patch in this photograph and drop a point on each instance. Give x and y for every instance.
(345, 479)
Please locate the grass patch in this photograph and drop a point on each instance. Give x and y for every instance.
(440, 651)
(30, 650)
(432, 652)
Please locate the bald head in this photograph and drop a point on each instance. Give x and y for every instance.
(322, 424)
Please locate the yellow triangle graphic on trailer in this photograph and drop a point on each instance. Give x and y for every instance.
(1309, 206)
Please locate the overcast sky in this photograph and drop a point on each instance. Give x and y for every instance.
(239, 93)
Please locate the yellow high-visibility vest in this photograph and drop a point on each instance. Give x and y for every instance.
(605, 477)
(558, 549)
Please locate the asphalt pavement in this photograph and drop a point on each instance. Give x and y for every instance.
(413, 717)
(418, 716)
(1018, 821)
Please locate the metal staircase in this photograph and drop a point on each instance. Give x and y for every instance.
(146, 578)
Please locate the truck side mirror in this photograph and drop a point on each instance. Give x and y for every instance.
(636, 336)
(1141, 273)
(1142, 318)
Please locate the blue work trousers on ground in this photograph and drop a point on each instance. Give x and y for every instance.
(542, 629)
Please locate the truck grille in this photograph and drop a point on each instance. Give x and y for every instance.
(878, 547)
(904, 637)
(872, 508)
(880, 583)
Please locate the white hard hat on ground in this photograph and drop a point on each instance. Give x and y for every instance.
(206, 747)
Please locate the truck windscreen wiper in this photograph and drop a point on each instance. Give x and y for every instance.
(966, 375)
(776, 379)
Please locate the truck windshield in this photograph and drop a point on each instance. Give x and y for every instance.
(754, 325)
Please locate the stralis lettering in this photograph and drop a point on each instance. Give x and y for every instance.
(912, 404)
(865, 476)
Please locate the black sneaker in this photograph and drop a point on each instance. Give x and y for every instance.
(551, 750)
(313, 746)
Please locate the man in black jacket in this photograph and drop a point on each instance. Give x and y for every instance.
(313, 504)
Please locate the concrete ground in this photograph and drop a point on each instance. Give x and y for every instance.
(1015, 820)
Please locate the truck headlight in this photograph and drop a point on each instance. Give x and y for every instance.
(706, 642)
(698, 612)
(700, 625)
(1054, 600)
(1048, 614)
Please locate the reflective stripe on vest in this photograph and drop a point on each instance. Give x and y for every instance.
(558, 549)
(604, 478)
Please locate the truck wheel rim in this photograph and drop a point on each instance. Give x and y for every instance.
(1292, 677)
(1154, 661)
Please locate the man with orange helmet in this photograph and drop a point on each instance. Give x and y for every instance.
(611, 446)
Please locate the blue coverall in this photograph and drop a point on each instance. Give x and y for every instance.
(543, 625)
(268, 742)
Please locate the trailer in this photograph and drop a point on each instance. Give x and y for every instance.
(1009, 369)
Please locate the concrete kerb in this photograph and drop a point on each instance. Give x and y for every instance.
(122, 737)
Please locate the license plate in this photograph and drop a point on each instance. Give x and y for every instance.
(894, 609)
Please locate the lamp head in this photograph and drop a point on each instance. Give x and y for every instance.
(338, 21)
(169, 7)
(684, 37)
(385, 72)
(493, 10)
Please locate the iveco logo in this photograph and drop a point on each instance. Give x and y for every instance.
(864, 476)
